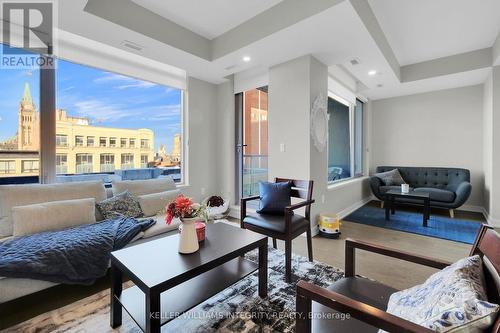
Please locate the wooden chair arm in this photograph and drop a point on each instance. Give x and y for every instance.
(299, 205)
(243, 208)
(254, 197)
(350, 260)
(307, 292)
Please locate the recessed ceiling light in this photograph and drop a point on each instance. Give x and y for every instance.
(372, 72)
(246, 58)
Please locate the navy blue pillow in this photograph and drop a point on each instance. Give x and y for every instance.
(274, 197)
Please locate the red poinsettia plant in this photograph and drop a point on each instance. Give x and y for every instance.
(183, 207)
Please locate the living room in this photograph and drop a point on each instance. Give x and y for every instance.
(232, 166)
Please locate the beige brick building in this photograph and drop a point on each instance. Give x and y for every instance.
(80, 146)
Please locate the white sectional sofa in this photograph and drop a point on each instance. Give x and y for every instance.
(21, 195)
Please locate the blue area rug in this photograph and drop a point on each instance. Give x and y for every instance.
(458, 230)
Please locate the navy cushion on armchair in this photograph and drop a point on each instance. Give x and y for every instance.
(274, 197)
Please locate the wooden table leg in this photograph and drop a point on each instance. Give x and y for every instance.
(263, 270)
(153, 312)
(426, 211)
(116, 291)
(387, 205)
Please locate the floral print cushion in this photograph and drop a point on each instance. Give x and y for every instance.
(451, 299)
(123, 204)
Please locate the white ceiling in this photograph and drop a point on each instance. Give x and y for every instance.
(208, 18)
(420, 30)
(334, 36)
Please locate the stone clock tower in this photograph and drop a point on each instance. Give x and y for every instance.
(28, 133)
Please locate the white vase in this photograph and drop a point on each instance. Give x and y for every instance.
(188, 242)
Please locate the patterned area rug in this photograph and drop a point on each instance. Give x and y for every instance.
(443, 227)
(235, 309)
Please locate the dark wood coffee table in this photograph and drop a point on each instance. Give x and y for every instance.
(390, 199)
(168, 284)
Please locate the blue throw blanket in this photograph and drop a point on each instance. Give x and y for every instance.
(76, 255)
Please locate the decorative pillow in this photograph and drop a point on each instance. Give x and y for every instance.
(123, 204)
(151, 204)
(274, 197)
(141, 187)
(52, 216)
(450, 299)
(391, 178)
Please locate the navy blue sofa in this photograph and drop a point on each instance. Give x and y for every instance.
(448, 187)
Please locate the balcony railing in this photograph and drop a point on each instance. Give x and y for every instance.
(61, 169)
(254, 171)
(127, 166)
(84, 168)
(107, 167)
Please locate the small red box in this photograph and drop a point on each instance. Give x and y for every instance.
(200, 231)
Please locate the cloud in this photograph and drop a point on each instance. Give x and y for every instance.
(138, 84)
(112, 112)
(164, 112)
(112, 77)
(100, 111)
(127, 82)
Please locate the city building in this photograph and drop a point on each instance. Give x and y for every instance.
(80, 146)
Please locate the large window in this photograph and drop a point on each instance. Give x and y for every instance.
(84, 163)
(61, 140)
(30, 166)
(345, 139)
(127, 161)
(98, 112)
(144, 161)
(61, 164)
(129, 118)
(107, 162)
(19, 118)
(7, 167)
(79, 140)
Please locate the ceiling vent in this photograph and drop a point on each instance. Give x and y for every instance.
(354, 62)
(131, 45)
(228, 68)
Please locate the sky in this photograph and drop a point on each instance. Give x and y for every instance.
(107, 99)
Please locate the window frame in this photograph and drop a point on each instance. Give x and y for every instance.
(58, 136)
(32, 169)
(352, 140)
(79, 143)
(8, 170)
(48, 87)
(65, 164)
(86, 164)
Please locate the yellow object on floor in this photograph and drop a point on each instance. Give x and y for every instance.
(329, 225)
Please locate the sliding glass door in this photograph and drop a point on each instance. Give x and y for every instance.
(252, 140)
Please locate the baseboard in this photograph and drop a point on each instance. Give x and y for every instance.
(345, 212)
(475, 209)
(234, 211)
(490, 220)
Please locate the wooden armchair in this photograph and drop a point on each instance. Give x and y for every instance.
(366, 300)
(285, 227)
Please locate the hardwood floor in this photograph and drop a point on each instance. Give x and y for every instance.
(396, 273)
(390, 271)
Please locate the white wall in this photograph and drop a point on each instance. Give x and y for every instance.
(202, 133)
(226, 141)
(293, 86)
(442, 128)
(289, 105)
(491, 142)
(487, 140)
